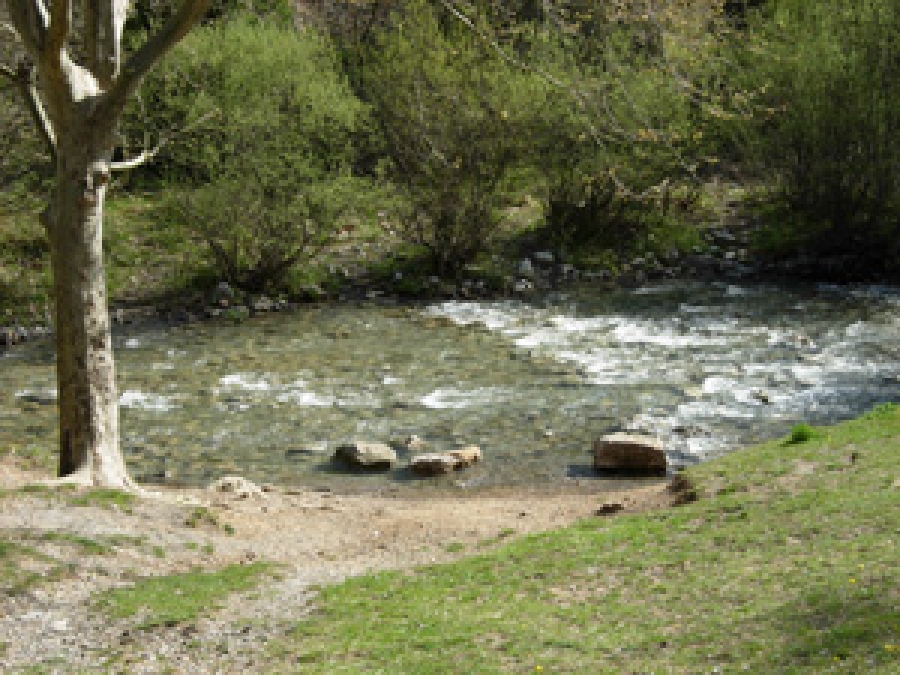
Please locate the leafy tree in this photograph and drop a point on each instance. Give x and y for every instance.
(76, 80)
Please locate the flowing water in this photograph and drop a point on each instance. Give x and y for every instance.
(705, 367)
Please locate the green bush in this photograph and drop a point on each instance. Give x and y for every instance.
(833, 143)
(267, 161)
(453, 119)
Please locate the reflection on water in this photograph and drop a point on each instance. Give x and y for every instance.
(706, 367)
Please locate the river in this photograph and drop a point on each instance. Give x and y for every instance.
(706, 367)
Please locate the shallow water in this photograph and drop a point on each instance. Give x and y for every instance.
(706, 367)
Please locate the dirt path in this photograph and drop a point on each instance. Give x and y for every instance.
(317, 537)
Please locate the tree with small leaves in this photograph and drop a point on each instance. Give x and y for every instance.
(76, 81)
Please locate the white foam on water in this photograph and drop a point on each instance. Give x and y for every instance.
(306, 399)
(447, 398)
(246, 382)
(132, 343)
(742, 355)
(140, 400)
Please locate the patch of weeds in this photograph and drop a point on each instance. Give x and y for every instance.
(455, 547)
(802, 433)
(159, 552)
(191, 545)
(200, 516)
(104, 498)
(178, 598)
(208, 549)
(38, 489)
(88, 546)
(16, 578)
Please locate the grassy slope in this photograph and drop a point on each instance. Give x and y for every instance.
(788, 564)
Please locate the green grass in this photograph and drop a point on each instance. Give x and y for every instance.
(178, 598)
(104, 498)
(787, 564)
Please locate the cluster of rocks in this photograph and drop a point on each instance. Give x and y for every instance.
(614, 454)
(382, 457)
(13, 335)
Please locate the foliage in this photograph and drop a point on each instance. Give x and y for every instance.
(833, 142)
(801, 433)
(268, 158)
(25, 166)
(450, 116)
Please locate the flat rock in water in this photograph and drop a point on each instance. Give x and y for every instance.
(467, 456)
(366, 455)
(630, 454)
(433, 464)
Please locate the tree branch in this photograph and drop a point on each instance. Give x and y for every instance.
(149, 155)
(91, 12)
(111, 23)
(23, 78)
(58, 31)
(29, 19)
(142, 61)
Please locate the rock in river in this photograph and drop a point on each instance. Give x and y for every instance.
(631, 454)
(433, 464)
(366, 455)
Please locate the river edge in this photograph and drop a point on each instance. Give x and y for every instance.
(313, 538)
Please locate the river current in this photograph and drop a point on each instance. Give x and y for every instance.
(705, 367)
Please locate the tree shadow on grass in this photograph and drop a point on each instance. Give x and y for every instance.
(863, 623)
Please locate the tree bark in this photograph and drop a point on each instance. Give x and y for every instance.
(88, 398)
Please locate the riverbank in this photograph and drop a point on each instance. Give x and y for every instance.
(63, 550)
(156, 273)
(786, 563)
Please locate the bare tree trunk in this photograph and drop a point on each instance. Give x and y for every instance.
(88, 399)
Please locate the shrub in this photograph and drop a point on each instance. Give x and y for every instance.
(268, 160)
(452, 117)
(833, 144)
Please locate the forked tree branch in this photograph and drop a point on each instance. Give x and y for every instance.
(143, 60)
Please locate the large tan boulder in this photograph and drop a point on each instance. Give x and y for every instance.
(630, 454)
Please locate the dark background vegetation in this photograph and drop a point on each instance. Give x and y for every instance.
(456, 130)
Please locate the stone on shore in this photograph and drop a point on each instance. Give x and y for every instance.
(630, 454)
(364, 455)
(467, 456)
(238, 486)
